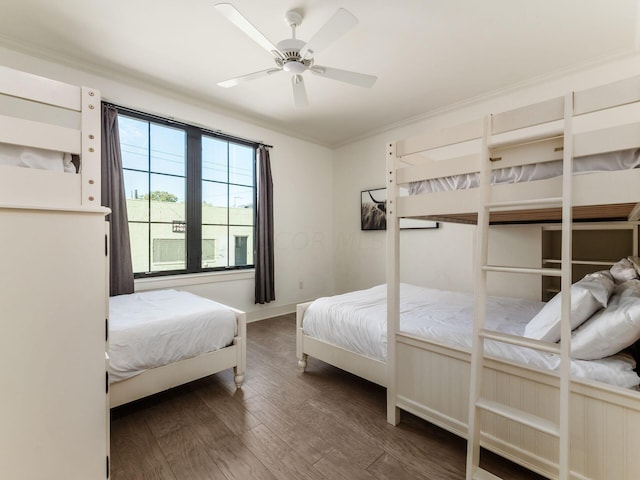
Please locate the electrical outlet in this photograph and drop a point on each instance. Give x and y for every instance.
(300, 284)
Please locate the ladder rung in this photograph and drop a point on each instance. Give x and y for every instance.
(520, 341)
(481, 474)
(549, 272)
(551, 201)
(533, 421)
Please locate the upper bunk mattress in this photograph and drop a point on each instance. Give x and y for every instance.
(357, 321)
(620, 160)
(155, 328)
(38, 158)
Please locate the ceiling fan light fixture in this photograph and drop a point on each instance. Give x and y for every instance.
(294, 66)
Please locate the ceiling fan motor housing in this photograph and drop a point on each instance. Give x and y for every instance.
(292, 61)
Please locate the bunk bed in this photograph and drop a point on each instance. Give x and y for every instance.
(160, 339)
(42, 132)
(604, 420)
(52, 233)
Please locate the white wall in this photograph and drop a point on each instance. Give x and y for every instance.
(302, 178)
(442, 258)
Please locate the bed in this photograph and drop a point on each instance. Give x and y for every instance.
(360, 363)
(160, 339)
(357, 323)
(604, 419)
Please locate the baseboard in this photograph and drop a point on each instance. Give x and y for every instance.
(268, 312)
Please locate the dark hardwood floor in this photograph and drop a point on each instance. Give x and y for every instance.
(283, 424)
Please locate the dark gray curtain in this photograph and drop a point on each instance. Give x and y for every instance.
(113, 196)
(265, 279)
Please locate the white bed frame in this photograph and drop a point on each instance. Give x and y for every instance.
(59, 189)
(162, 378)
(432, 380)
(366, 367)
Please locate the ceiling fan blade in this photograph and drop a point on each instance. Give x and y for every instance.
(235, 17)
(341, 22)
(354, 78)
(299, 92)
(250, 76)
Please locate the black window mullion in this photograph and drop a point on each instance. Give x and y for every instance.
(149, 223)
(228, 206)
(194, 200)
(255, 202)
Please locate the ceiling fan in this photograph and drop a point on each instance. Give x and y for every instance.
(295, 56)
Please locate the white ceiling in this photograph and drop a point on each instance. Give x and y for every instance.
(426, 53)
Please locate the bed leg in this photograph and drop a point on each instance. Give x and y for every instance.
(238, 378)
(393, 415)
(302, 363)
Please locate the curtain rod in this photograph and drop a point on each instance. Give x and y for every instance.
(172, 120)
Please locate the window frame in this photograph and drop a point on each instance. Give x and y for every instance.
(193, 194)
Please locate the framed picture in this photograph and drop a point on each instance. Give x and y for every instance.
(373, 212)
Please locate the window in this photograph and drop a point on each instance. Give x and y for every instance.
(190, 196)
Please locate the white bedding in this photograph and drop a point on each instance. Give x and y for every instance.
(357, 321)
(27, 157)
(621, 160)
(154, 328)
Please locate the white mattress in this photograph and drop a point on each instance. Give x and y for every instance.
(27, 157)
(357, 321)
(621, 160)
(154, 328)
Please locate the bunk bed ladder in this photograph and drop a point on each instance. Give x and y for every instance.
(477, 404)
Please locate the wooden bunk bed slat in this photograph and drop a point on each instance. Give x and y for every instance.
(445, 168)
(460, 133)
(607, 140)
(536, 152)
(18, 131)
(441, 203)
(528, 116)
(617, 116)
(606, 96)
(39, 89)
(620, 186)
(533, 133)
(22, 186)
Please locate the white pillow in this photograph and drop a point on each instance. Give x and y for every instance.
(587, 296)
(635, 261)
(611, 329)
(29, 157)
(623, 270)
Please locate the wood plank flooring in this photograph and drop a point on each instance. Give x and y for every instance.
(324, 424)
